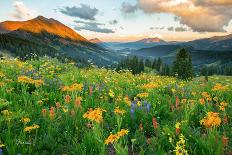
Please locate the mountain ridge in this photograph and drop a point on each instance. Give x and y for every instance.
(142, 43)
(219, 43)
(96, 41)
(44, 36)
(40, 24)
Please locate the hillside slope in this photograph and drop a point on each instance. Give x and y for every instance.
(44, 36)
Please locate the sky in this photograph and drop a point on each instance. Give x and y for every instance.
(129, 20)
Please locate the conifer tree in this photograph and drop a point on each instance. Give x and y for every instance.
(141, 66)
(182, 66)
(159, 64)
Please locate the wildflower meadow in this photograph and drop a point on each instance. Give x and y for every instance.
(48, 107)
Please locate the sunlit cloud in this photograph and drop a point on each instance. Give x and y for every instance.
(22, 12)
(201, 16)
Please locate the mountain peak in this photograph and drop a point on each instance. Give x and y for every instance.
(41, 18)
(44, 19)
(96, 41)
(41, 24)
(151, 40)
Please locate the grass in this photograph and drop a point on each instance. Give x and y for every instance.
(47, 107)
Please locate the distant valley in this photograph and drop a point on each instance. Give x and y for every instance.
(209, 51)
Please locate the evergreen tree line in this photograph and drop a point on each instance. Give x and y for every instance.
(158, 65)
(137, 65)
(134, 64)
(182, 66)
(216, 70)
(25, 50)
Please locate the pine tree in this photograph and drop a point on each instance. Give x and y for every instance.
(182, 66)
(159, 64)
(141, 66)
(148, 63)
(154, 64)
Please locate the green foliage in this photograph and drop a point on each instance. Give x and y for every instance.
(216, 70)
(134, 64)
(152, 107)
(182, 66)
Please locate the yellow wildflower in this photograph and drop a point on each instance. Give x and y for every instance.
(177, 125)
(111, 139)
(115, 137)
(211, 120)
(119, 98)
(2, 145)
(73, 87)
(122, 132)
(150, 86)
(30, 128)
(183, 100)
(222, 106)
(127, 101)
(27, 80)
(94, 115)
(202, 101)
(180, 146)
(64, 109)
(219, 87)
(38, 82)
(111, 93)
(119, 111)
(6, 112)
(138, 103)
(173, 90)
(143, 95)
(205, 94)
(25, 120)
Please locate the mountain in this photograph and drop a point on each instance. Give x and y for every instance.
(217, 43)
(42, 36)
(40, 24)
(199, 56)
(100, 43)
(143, 43)
(96, 41)
(157, 51)
(151, 40)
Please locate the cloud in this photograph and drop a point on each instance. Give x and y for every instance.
(170, 28)
(92, 26)
(128, 8)
(181, 29)
(83, 12)
(199, 15)
(213, 2)
(113, 22)
(155, 35)
(157, 28)
(177, 29)
(22, 12)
